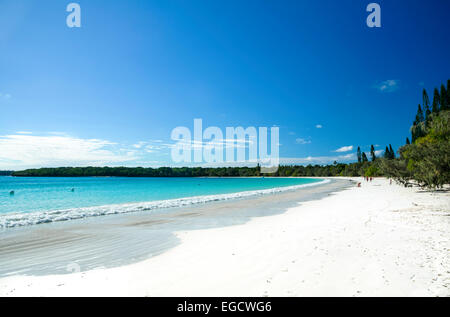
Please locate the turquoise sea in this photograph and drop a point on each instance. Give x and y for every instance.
(40, 200)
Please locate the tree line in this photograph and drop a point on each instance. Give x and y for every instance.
(335, 169)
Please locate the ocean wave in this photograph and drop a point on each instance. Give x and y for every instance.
(35, 218)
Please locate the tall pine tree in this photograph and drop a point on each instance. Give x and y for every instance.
(436, 101)
(426, 104)
(416, 130)
(419, 116)
(372, 153)
(391, 151)
(425, 99)
(387, 154)
(358, 154)
(407, 141)
(364, 157)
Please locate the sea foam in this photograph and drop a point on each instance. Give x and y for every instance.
(34, 218)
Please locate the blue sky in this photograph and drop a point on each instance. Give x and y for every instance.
(110, 92)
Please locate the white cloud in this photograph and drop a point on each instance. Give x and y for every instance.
(319, 126)
(345, 148)
(139, 144)
(302, 141)
(24, 132)
(318, 159)
(155, 148)
(28, 151)
(389, 85)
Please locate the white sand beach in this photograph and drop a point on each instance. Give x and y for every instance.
(377, 240)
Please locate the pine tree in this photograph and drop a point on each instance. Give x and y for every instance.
(364, 157)
(436, 101)
(425, 99)
(444, 98)
(387, 154)
(427, 114)
(416, 130)
(391, 150)
(407, 141)
(419, 115)
(372, 153)
(358, 154)
(426, 104)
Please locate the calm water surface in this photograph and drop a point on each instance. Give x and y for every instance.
(46, 194)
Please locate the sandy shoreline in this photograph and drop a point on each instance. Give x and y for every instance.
(377, 240)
